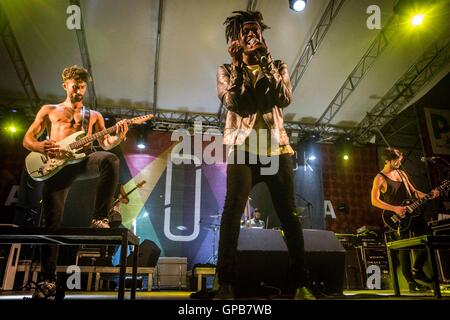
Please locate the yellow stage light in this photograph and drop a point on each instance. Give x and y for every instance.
(417, 19)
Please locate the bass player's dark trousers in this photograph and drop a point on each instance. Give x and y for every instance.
(418, 227)
(103, 165)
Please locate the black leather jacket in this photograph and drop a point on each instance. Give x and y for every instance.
(272, 92)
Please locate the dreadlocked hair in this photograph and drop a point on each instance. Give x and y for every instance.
(233, 24)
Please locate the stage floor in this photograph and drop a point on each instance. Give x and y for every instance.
(186, 295)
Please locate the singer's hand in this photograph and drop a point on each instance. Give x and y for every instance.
(262, 48)
(235, 50)
(262, 55)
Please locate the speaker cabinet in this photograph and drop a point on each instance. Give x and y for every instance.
(262, 262)
(325, 261)
(149, 254)
(443, 255)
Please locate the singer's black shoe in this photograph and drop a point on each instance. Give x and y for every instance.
(203, 294)
(226, 292)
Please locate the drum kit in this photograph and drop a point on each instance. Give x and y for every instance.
(214, 227)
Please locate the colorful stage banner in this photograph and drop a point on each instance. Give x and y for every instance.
(438, 123)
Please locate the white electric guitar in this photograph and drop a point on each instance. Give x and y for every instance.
(41, 167)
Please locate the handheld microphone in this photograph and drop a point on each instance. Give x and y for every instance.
(261, 56)
(425, 159)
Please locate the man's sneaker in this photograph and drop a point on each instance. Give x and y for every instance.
(45, 290)
(420, 275)
(100, 223)
(416, 287)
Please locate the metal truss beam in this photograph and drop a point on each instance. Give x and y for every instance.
(424, 70)
(314, 42)
(169, 120)
(158, 46)
(85, 58)
(376, 48)
(15, 54)
(251, 5)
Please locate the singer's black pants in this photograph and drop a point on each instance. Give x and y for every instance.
(102, 165)
(240, 180)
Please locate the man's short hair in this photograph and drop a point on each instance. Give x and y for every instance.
(233, 24)
(389, 154)
(76, 73)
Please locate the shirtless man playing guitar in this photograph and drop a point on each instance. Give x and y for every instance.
(60, 121)
(391, 186)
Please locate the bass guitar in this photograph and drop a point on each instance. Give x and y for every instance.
(41, 167)
(397, 223)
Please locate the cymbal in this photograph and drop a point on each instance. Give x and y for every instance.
(212, 227)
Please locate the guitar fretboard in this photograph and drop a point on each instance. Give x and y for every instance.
(88, 139)
(427, 197)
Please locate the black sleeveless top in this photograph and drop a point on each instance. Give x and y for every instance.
(395, 193)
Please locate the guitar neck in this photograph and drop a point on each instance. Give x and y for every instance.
(126, 195)
(427, 197)
(418, 203)
(88, 139)
(129, 192)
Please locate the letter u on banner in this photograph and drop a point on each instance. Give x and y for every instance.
(197, 195)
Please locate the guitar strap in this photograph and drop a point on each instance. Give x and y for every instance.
(405, 182)
(86, 119)
(85, 123)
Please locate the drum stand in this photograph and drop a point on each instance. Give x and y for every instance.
(213, 258)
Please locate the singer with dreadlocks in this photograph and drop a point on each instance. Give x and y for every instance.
(254, 89)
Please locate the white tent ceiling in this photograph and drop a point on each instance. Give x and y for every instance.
(122, 40)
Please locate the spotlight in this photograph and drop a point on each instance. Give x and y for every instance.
(141, 141)
(297, 5)
(346, 157)
(312, 158)
(417, 19)
(12, 129)
(414, 11)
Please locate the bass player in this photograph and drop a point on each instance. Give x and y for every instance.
(60, 121)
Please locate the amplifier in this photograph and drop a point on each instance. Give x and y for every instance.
(354, 275)
(442, 227)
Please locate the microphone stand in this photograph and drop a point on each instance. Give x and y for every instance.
(309, 205)
(442, 165)
(447, 164)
